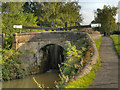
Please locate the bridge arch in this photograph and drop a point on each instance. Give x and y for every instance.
(34, 41)
(51, 54)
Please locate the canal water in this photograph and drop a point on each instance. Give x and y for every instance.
(48, 78)
(54, 56)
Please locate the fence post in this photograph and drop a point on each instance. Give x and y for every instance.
(66, 25)
(52, 24)
(3, 40)
(76, 23)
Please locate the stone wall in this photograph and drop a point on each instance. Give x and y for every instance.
(92, 33)
(95, 36)
(90, 65)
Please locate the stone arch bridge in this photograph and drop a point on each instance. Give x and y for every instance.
(32, 42)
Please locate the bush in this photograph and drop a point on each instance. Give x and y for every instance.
(74, 63)
(85, 81)
(12, 66)
(116, 32)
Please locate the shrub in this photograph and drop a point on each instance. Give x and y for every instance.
(85, 81)
(12, 66)
(74, 63)
(116, 32)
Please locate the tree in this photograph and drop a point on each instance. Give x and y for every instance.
(106, 17)
(13, 15)
(57, 12)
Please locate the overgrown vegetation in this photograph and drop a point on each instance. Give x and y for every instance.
(12, 67)
(85, 81)
(74, 63)
(116, 39)
(12, 15)
(54, 12)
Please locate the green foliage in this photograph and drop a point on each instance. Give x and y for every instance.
(12, 67)
(98, 42)
(116, 39)
(29, 51)
(75, 62)
(85, 81)
(106, 17)
(13, 15)
(56, 12)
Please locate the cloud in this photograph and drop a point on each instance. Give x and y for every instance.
(98, 1)
(88, 17)
(88, 7)
(116, 17)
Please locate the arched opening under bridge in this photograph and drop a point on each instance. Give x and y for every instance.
(52, 54)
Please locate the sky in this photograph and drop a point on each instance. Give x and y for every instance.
(88, 7)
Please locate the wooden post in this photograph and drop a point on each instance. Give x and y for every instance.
(40, 24)
(66, 25)
(76, 23)
(52, 24)
(3, 40)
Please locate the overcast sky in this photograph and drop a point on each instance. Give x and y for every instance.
(88, 7)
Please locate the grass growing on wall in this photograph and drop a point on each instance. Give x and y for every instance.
(85, 81)
(116, 40)
(98, 42)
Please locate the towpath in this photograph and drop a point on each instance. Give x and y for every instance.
(107, 76)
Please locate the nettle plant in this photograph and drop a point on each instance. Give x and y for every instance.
(75, 60)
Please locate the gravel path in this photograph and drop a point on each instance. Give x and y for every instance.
(107, 76)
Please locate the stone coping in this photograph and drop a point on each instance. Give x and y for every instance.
(89, 66)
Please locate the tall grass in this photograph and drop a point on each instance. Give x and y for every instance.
(116, 40)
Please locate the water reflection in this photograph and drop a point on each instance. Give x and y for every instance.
(47, 78)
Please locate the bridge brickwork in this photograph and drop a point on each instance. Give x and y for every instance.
(34, 41)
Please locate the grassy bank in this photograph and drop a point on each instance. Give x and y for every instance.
(116, 41)
(87, 80)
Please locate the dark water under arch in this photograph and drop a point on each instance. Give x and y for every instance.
(53, 54)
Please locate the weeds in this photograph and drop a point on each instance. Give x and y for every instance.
(12, 67)
(85, 81)
(74, 63)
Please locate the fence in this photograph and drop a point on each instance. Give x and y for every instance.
(58, 29)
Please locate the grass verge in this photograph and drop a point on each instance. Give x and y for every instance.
(116, 40)
(85, 81)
